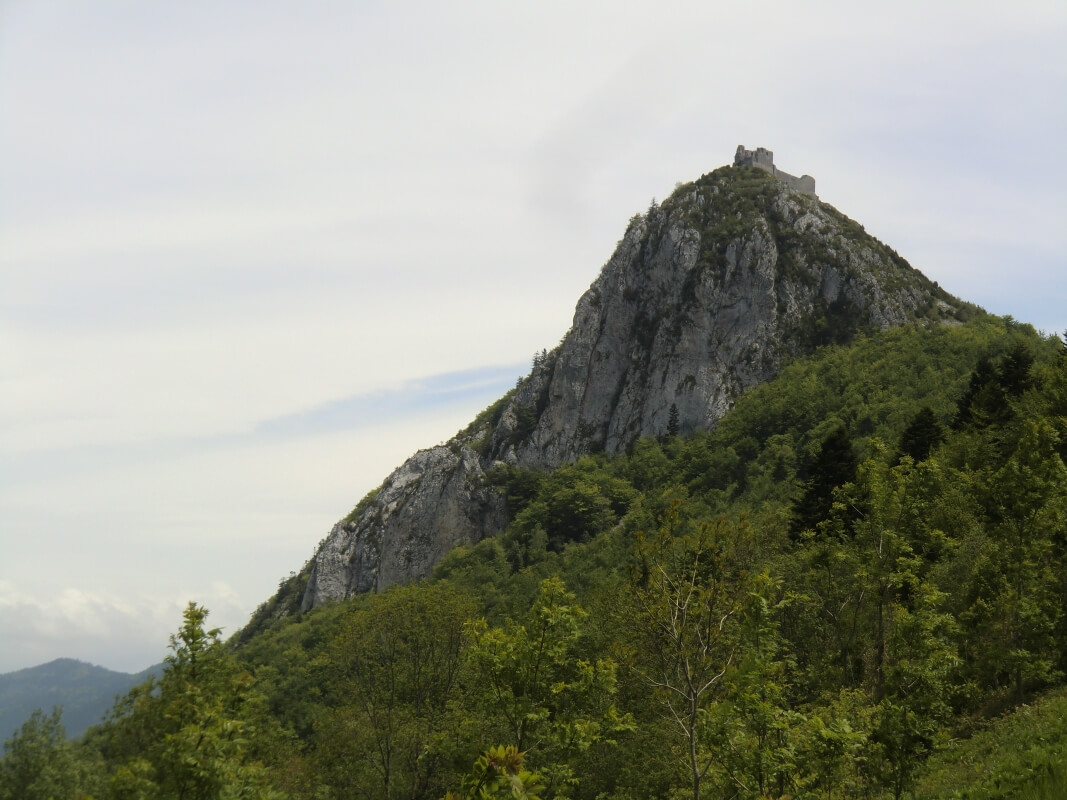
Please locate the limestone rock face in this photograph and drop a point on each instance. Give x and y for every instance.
(434, 501)
(705, 296)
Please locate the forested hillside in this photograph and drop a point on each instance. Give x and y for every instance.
(858, 569)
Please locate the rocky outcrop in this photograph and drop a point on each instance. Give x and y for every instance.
(705, 296)
(434, 501)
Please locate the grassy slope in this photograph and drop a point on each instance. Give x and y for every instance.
(1022, 756)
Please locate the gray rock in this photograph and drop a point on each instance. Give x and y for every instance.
(705, 297)
(434, 501)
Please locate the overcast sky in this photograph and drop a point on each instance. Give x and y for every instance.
(255, 254)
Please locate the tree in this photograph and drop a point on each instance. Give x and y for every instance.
(921, 436)
(537, 693)
(683, 609)
(392, 678)
(833, 466)
(192, 734)
(576, 512)
(39, 763)
(499, 773)
(761, 726)
(672, 421)
(984, 402)
(830, 747)
(1015, 604)
(1014, 370)
(916, 678)
(907, 640)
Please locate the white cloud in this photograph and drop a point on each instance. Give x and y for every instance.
(99, 562)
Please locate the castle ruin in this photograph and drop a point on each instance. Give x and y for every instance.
(763, 158)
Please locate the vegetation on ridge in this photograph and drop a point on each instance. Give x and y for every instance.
(824, 597)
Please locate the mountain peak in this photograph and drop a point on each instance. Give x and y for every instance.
(707, 294)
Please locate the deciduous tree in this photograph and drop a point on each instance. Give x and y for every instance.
(684, 609)
(540, 695)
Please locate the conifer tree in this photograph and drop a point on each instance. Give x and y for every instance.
(834, 465)
(1014, 370)
(923, 433)
(672, 421)
(983, 402)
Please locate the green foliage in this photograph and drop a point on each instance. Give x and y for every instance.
(391, 676)
(365, 502)
(286, 601)
(1022, 756)
(196, 732)
(759, 657)
(672, 421)
(833, 663)
(833, 466)
(574, 504)
(39, 763)
(525, 423)
(499, 773)
(539, 695)
(1015, 599)
(682, 613)
(922, 435)
(760, 729)
(490, 417)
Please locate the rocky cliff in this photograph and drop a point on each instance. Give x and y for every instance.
(705, 296)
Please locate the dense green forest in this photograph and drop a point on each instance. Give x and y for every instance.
(853, 587)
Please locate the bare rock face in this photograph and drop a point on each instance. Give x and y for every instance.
(434, 501)
(705, 296)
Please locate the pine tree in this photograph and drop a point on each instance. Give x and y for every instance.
(983, 376)
(1014, 370)
(834, 465)
(672, 421)
(923, 433)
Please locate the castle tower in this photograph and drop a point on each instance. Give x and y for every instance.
(762, 158)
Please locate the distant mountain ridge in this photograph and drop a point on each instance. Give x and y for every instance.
(707, 295)
(85, 692)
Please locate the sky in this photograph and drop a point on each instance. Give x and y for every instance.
(255, 254)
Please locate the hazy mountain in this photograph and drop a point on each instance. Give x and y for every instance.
(84, 691)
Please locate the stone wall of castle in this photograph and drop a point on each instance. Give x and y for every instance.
(763, 158)
(805, 183)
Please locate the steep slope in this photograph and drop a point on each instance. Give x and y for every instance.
(706, 295)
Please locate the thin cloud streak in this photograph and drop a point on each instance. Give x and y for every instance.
(468, 388)
(453, 391)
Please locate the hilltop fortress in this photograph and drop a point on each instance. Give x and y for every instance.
(764, 159)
